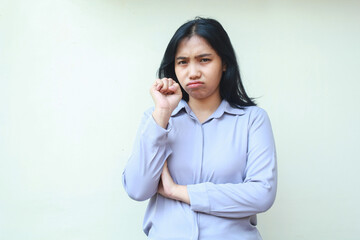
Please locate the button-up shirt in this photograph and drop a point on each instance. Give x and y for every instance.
(228, 164)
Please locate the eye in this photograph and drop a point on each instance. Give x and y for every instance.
(182, 62)
(205, 60)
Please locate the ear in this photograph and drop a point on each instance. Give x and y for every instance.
(224, 67)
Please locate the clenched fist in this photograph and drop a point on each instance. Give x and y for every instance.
(166, 94)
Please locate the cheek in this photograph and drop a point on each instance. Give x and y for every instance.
(177, 73)
(220, 74)
(179, 76)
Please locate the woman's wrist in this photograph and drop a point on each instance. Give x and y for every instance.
(180, 193)
(162, 116)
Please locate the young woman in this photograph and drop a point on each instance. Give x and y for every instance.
(205, 154)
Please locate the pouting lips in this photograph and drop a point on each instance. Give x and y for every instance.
(194, 84)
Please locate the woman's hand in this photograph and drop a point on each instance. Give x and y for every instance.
(166, 94)
(169, 189)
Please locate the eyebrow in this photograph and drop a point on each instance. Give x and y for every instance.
(197, 56)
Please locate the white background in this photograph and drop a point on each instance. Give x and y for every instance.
(75, 78)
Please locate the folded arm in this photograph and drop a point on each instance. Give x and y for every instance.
(236, 200)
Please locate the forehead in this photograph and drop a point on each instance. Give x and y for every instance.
(193, 45)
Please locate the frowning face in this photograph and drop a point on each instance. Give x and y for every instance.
(198, 68)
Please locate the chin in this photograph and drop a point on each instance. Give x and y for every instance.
(197, 96)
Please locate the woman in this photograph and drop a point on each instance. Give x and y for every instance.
(205, 154)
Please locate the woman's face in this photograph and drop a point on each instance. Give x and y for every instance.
(198, 68)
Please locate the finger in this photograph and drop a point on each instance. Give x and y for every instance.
(158, 84)
(172, 86)
(170, 82)
(165, 85)
(176, 88)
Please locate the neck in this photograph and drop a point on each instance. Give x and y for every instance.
(203, 108)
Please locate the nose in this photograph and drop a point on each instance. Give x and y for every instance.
(194, 72)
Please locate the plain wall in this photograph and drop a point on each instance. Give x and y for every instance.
(75, 78)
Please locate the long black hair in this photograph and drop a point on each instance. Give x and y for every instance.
(231, 87)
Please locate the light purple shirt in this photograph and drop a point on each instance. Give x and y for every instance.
(228, 164)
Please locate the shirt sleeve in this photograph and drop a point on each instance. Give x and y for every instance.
(257, 192)
(143, 170)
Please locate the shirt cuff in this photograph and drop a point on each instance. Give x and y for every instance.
(155, 133)
(168, 127)
(199, 199)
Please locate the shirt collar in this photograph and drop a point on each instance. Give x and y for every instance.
(224, 107)
(182, 105)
